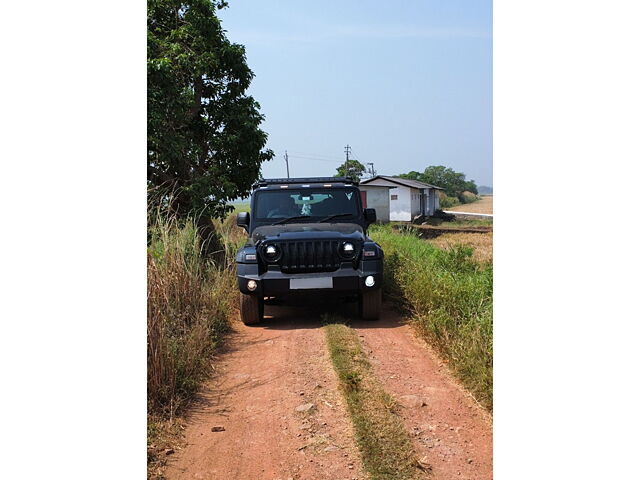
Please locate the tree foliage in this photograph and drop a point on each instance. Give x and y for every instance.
(351, 168)
(454, 183)
(203, 137)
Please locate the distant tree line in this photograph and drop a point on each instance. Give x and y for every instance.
(456, 187)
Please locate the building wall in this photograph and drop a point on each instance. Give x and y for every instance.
(378, 198)
(434, 201)
(400, 209)
(415, 203)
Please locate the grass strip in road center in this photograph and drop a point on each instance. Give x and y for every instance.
(385, 445)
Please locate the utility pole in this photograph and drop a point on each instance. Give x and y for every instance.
(286, 159)
(347, 150)
(372, 171)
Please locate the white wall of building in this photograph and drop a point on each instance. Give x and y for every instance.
(378, 198)
(400, 208)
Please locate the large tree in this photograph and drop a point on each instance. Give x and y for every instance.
(205, 146)
(351, 168)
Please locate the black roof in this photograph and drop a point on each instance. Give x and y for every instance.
(303, 181)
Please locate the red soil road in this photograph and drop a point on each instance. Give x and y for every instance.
(449, 430)
(267, 371)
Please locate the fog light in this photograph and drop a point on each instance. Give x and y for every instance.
(252, 285)
(369, 281)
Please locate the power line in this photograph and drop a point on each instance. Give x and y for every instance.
(317, 155)
(304, 157)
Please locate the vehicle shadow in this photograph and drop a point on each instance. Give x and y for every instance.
(315, 313)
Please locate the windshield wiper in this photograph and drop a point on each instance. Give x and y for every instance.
(285, 220)
(331, 217)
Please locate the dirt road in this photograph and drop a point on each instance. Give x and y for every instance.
(275, 394)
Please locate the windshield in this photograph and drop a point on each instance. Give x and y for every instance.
(274, 205)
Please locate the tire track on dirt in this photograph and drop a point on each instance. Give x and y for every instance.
(260, 379)
(449, 430)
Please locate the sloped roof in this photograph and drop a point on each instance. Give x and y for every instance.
(402, 181)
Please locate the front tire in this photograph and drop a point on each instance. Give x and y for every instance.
(251, 309)
(371, 304)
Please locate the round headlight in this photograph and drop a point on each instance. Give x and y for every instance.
(271, 252)
(348, 248)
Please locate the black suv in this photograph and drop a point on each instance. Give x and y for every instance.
(308, 235)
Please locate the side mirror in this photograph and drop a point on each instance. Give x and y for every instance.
(242, 220)
(370, 215)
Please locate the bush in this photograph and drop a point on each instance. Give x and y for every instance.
(451, 298)
(448, 202)
(468, 197)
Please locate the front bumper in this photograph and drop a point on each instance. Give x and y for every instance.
(345, 280)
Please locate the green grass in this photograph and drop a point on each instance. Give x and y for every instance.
(385, 445)
(450, 297)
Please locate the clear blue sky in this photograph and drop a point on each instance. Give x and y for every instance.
(407, 84)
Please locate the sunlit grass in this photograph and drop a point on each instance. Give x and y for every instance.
(450, 296)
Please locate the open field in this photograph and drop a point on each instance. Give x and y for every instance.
(482, 244)
(484, 205)
(240, 207)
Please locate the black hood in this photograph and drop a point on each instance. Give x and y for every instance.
(295, 231)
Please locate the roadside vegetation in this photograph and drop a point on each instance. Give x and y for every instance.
(462, 199)
(450, 296)
(385, 445)
(188, 314)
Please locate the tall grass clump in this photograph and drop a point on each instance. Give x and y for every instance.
(451, 298)
(188, 309)
(448, 202)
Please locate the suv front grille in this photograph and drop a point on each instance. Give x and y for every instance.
(309, 256)
(306, 256)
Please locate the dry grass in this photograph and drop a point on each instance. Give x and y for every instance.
(385, 446)
(164, 438)
(482, 244)
(484, 205)
(188, 312)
